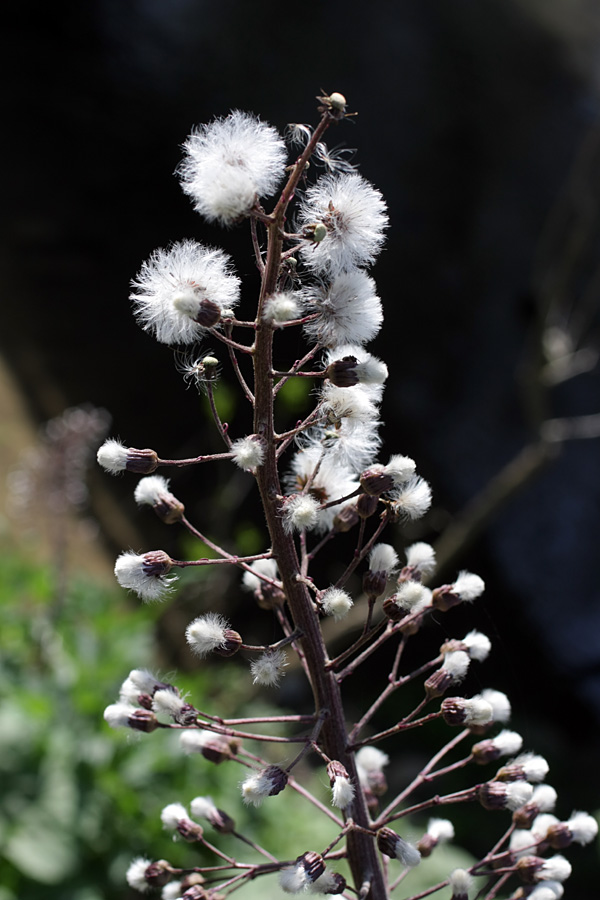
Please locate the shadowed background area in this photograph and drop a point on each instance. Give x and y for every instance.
(479, 122)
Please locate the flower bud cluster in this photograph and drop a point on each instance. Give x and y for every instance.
(143, 699)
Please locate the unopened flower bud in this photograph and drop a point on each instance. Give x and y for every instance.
(201, 310)
(370, 762)
(145, 574)
(543, 800)
(231, 643)
(215, 747)
(346, 518)
(452, 671)
(211, 633)
(137, 719)
(267, 783)
(581, 828)
(342, 789)
(504, 744)
(382, 561)
(115, 457)
(174, 816)
(501, 795)
(466, 588)
(204, 808)
(526, 767)
(533, 869)
(197, 892)
(460, 711)
(343, 372)
(154, 491)
(438, 832)
(420, 558)
(376, 481)
(312, 864)
(366, 505)
(460, 883)
(396, 847)
(337, 101)
(142, 874)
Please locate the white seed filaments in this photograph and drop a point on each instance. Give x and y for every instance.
(182, 291)
(229, 163)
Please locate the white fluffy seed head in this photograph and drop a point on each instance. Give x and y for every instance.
(151, 490)
(206, 633)
(518, 793)
(112, 456)
(542, 823)
(440, 829)
(548, 890)
(534, 766)
(468, 586)
(383, 558)
(354, 214)
(407, 853)
(203, 808)
(267, 567)
(500, 704)
(557, 868)
(293, 879)
(544, 796)
(281, 307)
(522, 842)
(508, 742)
(136, 873)
(336, 602)
(228, 163)
(353, 403)
(117, 714)
(460, 882)
(348, 310)
(300, 513)
(139, 681)
(421, 556)
(372, 759)
(248, 453)
(193, 740)
(172, 891)
(342, 792)
(172, 814)
(478, 645)
(371, 371)
(400, 468)
(256, 787)
(413, 596)
(583, 827)
(477, 712)
(167, 702)
(173, 287)
(456, 664)
(267, 669)
(412, 499)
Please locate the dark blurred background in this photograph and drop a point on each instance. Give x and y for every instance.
(479, 121)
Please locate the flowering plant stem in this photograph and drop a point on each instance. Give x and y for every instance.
(335, 484)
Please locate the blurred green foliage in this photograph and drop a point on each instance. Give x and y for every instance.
(79, 800)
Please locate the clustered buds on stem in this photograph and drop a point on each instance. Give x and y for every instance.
(319, 479)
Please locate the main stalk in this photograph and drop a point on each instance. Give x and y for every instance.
(362, 854)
